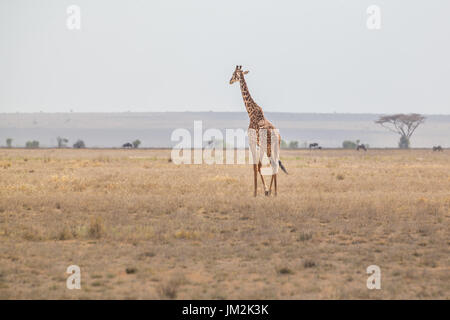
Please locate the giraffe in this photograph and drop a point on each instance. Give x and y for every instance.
(268, 135)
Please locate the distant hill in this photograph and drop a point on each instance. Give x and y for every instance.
(154, 129)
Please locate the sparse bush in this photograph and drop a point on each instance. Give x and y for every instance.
(347, 144)
(79, 144)
(65, 234)
(169, 289)
(293, 145)
(9, 142)
(130, 270)
(309, 264)
(305, 236)
(97, 283)
(284, 144)
(186, 234)
(31, 234)
(96, 228)
(284, 270)
(136, 143)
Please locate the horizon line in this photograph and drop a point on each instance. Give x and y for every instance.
(211, 111)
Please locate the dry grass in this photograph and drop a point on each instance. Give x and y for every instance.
(136, 223)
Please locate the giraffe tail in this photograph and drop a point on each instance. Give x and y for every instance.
(282, 167)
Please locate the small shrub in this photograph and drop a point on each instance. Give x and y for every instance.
(340, 177)
(305, 236)
(148, 254)
(347, 144)
(65, 234)
(32, 235)
(284, 270)
(169, 289)
(186, 234)
(96, 229)
(309, 264)
(130, 270)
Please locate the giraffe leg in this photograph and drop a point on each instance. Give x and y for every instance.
(255, 174)
(270, 188)
(266, 192)
(275, 183)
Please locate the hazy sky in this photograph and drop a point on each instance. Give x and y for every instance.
(167, 55)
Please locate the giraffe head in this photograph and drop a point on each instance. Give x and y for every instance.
(237, 74)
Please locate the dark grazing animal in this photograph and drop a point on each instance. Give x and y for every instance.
(437, 148)
(362, 147)
(314, 145)
(127, 145)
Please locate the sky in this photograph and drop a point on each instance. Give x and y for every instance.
(178, 55)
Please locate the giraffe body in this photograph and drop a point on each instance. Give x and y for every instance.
(262, 134)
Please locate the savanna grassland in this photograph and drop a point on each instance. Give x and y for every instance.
(140, 226)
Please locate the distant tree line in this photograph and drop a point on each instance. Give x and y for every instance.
(62, 143)
(348, 144)
(291, 145)
(32, 144)
(403, 124)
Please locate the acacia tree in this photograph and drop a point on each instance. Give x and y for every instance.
(402, 124)
(136, 143)
(61, 142)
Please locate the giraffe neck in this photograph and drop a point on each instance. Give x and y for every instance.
(244, 90)
(250, 105)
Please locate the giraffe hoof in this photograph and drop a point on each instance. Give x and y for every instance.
(267, 193)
